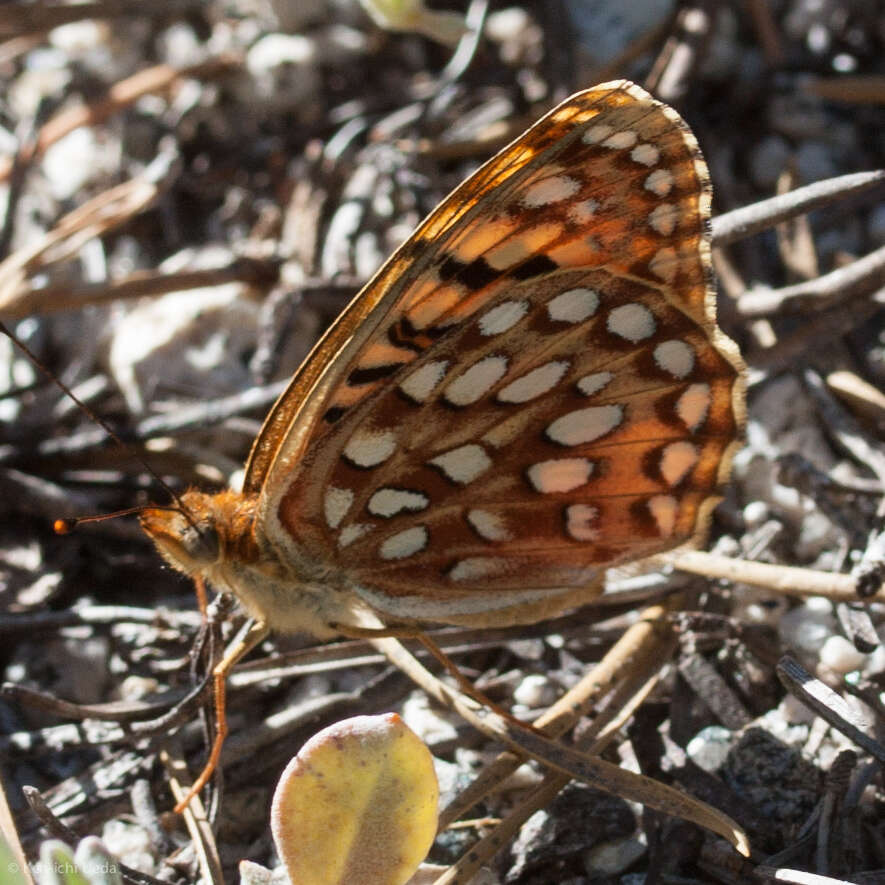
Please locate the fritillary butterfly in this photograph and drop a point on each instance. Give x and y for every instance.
(531, 390)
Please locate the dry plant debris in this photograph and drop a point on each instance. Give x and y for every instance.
(191, 192)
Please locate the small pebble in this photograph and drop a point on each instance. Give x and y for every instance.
(807, 627)
(131, 843)
(755, 514)
(611, 858)
(709, 748)
(535, 691)
(841, 656)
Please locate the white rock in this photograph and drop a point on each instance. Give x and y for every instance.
(71, 162)
(45, 76)
(429, 724)
(131, 843)
(841, 656)
(78, 38)
(755, 513)
(611, 858)
(184, 341)
(795, 712)
(507, 24)
(756, 605)
(283, 69)
(808, 626)
(535, 691)
(709, 747)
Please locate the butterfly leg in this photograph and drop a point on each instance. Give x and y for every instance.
(254, 634)
(438, 654)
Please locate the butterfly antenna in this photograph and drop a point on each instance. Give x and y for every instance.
(62, 526)
(65, 526)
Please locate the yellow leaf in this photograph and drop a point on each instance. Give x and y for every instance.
(412, 15)
(357, 805)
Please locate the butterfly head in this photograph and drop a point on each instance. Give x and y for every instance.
(189, 539)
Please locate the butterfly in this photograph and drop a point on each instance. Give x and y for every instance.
(531, 390)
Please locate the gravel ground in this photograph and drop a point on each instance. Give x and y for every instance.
(190, 193)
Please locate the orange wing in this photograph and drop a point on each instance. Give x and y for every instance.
(532, 389)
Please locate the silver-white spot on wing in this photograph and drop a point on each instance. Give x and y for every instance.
(660, 182)
(590, 384)
(663, 219)
(554, 189)
(621, 140)
(489, 526)
(573, 306)
(464, 464)
(475, 568)
(560, 474)
(502, 317)
(645, 154)
(421, 383)
(675, 357)
(404, 544)
(694, 404)
(677, 459)
(352, 532)
(336, 503)
(580, 522)
(533, 383)
(664, 509)
(368, 448)
(634, 322)
(585, 425)
(477, 381)
(389, 502)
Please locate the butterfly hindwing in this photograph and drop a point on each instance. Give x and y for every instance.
(532, 389)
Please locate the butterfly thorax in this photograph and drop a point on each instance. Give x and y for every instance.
(218, 539)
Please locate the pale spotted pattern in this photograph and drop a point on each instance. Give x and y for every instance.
(422, 382)
(368, 448)
(532, 355)
(351, 533)
(585, 425)
(646, 154)
(692, 407)
(476, 568)
(477, 381)
(503, 317)
(664, 509)
(675, 357)
(659, 182)
(590, 384)
(634, 322)
(489, 526)
(390, 502)
(560, 474)
(664, 219)
(550, 190)
(534, 384)
(573, 306)
(677, 460)
(464, 464)
(581, 522)
(404, 544)
(337, 503)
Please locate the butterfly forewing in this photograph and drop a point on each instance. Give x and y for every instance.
(531, 390)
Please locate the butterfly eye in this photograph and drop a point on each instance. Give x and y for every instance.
(201, 544)
(186, 545)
